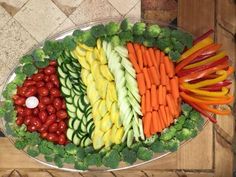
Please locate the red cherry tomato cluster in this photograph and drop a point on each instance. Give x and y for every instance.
(49, 117)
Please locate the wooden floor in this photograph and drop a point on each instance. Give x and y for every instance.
(209, 154)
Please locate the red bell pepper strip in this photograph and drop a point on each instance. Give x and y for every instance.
(205, 35)
(190, 58)
(203, 67)
(202, 57)
(218, 86)
(200, 110)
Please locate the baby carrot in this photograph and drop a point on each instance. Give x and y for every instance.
(167, 65)
(172, 71)
(143, 105)
(148, 101)
(168, 88)
(140, 58)
(162, 125)
(156, 115)
(136, 46)
(147, 79)
(174, 87)
(141, 83)
(158, 57)
(143, 49)
(164, 95)
(154, 122)
(163, 74)
(163, 115)
(154, 96)
(162, 55)
(155, 76)
(160, 94)
(171, 104)
(148, 58)
(147, 123)
(133, 60)
(152, 55)
(151, 76)
(130, 48)
(168, 115)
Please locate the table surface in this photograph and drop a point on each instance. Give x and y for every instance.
(207, 155)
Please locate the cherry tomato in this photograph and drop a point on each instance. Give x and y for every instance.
(36, 122)
(55, 80)
(27, 112)
(61, 114)
(44, 135)
(55, 92)
(63, 104)
(40, 70)
(53, 128)
(52, 137)
(19, 110)
(29, 78)
(57, 103)
(20, 101)
(62, 126)
(49, 85)
(43, 115)
(46, 78)
(41, 106)
(35, 111)
(31, 128)
(45, 100)
(53, 63)
(40, 84)
(38, 77)
(51, 119)
(22, 91)
(62, 139)
(58, 132)
(27, 120)
(15, 97)
(43, 91)
(19, 120)
(29, 83)
(51, 109)
(31, 91)
(49, 70)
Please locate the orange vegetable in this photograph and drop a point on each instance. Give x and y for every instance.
(148, 58)
(143, 49)
(148, 101)
(174, 87)
(155, 75)
(164, 95)
(143, 105)
(154, 122)
(162, 124)
(147, 79)
(163, 115)
(168, 88)
(136, 46)
(171, 104)
(158, 57)
(152, 55)
(214, 110)
(163, 74)
(162, 57)
(172, 71)
(133, 60)
(140, 58)
(230, 70)
(147, 124)
(157, 98)
(154, 96)
(151, 76)
(168, 115)
(167, 64)
(141, 83)
(160, 94)
(130, 48)
(156, 116)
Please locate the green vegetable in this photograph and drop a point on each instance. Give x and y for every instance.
(165, 32)
(111, 159)
(81, 166)
(26, 59)
(189, 124)
(80, 153)
(185, 38)
(112, 28)
(39, 55)
(71, 148)
(150, 140)
(163, 43)
(98, 31)
(126, 36)
(139, 39)
(20, 144)
(88, 149)
(184, 134)
(194, 132)
(174, 55)
(119, 147)
(78, 35)
(48, 158)
(19, 79)
(178, 46)
(93, 159)
(158, 146)
(69, 159)
(186, 109)
(46, 147)
(153, 31)
(129, 155)
(53, 48)
(29, 69)
(41, 64)
(2, 112)
(149, 42)
(18, 70)
(136, 146)
(126, 25)
(69, 43)
(144, 153)
(168, 134)
(139, 28)
(115, 40)
(88, 39)
(9, 91)
(172, 145)
(195, 116)
(58, 161)
(32, 151)
(59, 149)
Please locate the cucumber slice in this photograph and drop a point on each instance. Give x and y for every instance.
(68, 83)
(62, 81)
(87, 142)
(59, 61)
(74, 75)
(61, 73)
(76, 140)
(69, 100)
(81, 105)
(71, 114)
(130, 138)
(75, 100)
(70, 123)
(71, 68)
(70, 133)
(65, 91)
(79, 114)
(75, 124)
(63, 67)
(71, 107)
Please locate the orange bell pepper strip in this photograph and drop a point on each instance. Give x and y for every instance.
(205, 42)
(214, 110)
(230, 70)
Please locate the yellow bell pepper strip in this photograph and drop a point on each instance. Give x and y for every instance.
(211, 59)
(205, 42)
(211, 98)
(205, 35)
(201, 74)
(192, 99)
(213, 110)
(190, 58)
(223, 75)
(223, 92)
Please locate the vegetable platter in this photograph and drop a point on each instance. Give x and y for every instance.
(114, 94)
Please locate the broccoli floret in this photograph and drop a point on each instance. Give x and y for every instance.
(158, 146)
(80, 153)
(19, 79)
(168, 134)
(139, 39)
(46, 147)
(98, 31)
(186, 109)
(9, 91)
(29, 69)
(178, 46)
(119, 147)
(20, 144)
(184, 134)
(136, 146)
(112, 28)
(126, 25)
(178, 126)
(93, 159)
(153, 31)
(53, 48)
(81, 166)
(71, 148)
(165, 32)
(33, 138)
(42, 64)
(174, 55)
(150, 140)
(38, 54)
(149, 42)
(139, 28)
(194, 115)
(172, 145)
(48, 158)
(144, 153)
(2, 112)
(89, 149)
(189, 124)
(200, 123)
(163, 43)
(115, 40)
(69, 43)
(185, 38)
(88, 39)
(69, 159)
(26, 59)
(111, 159)
(78, 35)
(126, 36)
(58, 161)
(129, 155)
(32, 151)
(59, 149)
(18, 70)
(188, 40)
(194, 132)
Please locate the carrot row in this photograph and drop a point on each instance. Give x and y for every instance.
(158, 87)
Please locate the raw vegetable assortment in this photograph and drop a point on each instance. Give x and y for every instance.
(115, 92)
